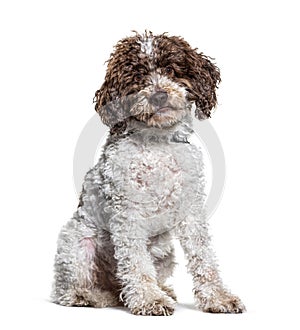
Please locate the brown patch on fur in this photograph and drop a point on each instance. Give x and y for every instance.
(124, 68)
(194, 71)
(129, 69)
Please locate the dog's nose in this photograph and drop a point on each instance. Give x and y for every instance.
(159, 98)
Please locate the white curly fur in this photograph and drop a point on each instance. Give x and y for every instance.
(147, 187)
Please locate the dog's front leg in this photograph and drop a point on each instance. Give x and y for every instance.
(210, 293)
(136, 271)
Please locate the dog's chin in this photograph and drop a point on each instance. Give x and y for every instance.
(164, 117)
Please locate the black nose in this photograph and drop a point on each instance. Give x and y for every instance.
(159, 98)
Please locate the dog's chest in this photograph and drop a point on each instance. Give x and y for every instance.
(154, 173)
(158, 182)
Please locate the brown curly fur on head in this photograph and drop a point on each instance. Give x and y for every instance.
(129, 68)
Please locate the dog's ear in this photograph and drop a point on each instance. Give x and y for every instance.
(111, 109)
(106, 107)
(101, 99)
(204, 79)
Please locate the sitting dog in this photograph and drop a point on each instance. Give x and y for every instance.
(147, 187)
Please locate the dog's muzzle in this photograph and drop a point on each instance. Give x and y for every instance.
(158, 99)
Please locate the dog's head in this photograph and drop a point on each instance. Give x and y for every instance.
(156, 79)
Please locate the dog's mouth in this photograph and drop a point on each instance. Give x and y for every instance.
(163, 110)
(156, 113)
(159, 115)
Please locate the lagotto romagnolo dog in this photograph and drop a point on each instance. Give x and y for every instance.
(147, 187)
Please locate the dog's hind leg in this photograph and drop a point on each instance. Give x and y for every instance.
(80, 275)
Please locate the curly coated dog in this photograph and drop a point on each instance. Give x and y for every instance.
(147, 187)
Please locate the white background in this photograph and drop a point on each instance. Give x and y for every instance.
(52, 61)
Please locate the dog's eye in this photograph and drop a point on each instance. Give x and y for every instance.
(138, 77)
(169, 70)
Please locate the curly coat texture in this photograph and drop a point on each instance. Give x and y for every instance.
(147, 187)
(127, 73)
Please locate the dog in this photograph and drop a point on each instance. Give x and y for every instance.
(147, 187)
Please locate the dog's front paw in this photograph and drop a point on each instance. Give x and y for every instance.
(159, 307)
(222, 302)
